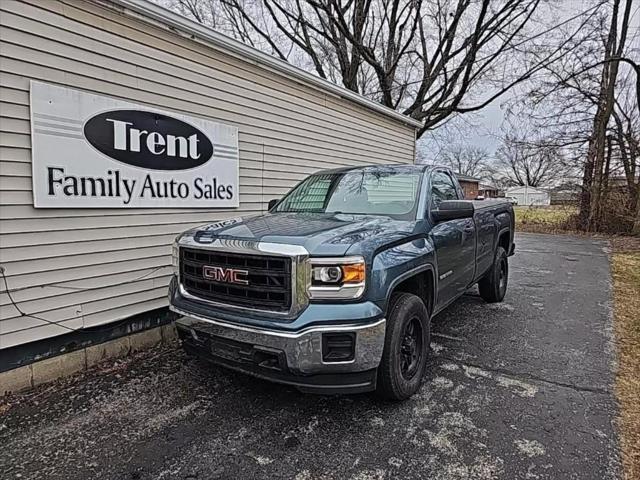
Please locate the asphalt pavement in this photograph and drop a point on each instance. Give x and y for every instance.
(516, 390)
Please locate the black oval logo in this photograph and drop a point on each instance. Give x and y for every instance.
(148, 140)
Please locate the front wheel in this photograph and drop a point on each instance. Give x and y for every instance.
(493, 286)
(406, 346)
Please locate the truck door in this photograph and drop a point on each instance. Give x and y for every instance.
(454, 241)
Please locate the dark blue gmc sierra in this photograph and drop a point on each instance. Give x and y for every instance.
(332, 290)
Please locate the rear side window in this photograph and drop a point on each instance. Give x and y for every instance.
(442, 188)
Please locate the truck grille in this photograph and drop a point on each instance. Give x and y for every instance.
(269, 279)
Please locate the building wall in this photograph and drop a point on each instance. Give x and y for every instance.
(529, 196)
(470, 189)
(488, 193)
(86, 267)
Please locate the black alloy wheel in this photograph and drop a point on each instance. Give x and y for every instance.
(504, 275)
(406, 347)
(411, 350)
(493, 286)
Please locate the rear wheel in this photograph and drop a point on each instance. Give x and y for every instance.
(406, 347)
(493, 286)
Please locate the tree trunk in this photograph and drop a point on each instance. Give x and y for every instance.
(636, 223)
(591, 198)
(585, 194)
(598, 158)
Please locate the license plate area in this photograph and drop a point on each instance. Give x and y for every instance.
(241, 352)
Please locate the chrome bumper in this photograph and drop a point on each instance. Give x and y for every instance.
(302, 349)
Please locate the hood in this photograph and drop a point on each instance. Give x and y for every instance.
(320, 234)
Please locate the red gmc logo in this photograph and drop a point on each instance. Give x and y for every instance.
(226, 275)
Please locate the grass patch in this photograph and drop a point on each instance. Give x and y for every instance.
(626, 294)
(551, 219)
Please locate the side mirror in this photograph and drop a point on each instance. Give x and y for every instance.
(273, 202)
(452, 210)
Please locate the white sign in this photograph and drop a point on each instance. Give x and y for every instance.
(95, 151)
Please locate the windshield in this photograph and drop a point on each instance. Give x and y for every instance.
(384, 192)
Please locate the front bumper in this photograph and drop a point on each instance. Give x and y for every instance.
(293, 358)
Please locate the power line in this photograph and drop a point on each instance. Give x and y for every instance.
(83, 289)
(22, 313)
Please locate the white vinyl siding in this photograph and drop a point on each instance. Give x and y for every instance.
(86, 267)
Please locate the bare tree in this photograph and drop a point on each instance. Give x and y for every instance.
(589, 110)
(591, 198)
(527, 160)
(240, 19)
(625, 132)
(467, 160)
(430, 60)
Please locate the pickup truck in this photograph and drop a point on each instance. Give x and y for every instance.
(332, 290)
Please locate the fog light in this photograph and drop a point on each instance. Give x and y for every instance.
(194, 335)
(338, 347)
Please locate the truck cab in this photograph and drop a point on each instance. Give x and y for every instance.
(333, 289)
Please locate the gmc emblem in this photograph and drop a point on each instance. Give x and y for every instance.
(226, 275)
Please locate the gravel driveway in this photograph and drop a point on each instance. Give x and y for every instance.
(521, 389)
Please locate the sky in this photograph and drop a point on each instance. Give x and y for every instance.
(480, 129)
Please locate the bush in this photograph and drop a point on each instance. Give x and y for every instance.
(617, 213)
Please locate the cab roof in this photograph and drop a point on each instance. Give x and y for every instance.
(377, 168)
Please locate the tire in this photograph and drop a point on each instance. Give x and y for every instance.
(406, 347)
(493, 286)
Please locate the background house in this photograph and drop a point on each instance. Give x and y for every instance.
(470, 185)
(488, 191)
(526, 195)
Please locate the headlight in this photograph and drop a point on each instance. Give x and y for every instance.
(175, 256)
(337, 278)
(332, 274)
